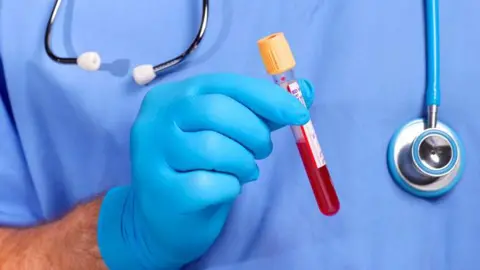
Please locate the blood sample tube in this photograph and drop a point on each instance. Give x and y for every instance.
(279, 62)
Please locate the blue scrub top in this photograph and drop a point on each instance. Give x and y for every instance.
(65, 131)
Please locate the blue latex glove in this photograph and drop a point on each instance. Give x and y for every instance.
(194, 144)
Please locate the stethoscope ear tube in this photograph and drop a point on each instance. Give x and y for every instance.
(89, 61)
(142, 74)
(425, 157)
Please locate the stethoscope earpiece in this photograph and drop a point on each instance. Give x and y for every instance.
(144, 74)
(89, 61)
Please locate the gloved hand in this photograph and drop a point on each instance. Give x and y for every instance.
(193, 146)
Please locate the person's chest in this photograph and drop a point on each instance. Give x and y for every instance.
(74, 124)
(366, 60)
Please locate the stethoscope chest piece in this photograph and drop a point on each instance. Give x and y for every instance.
(425, 157)
(426, 162)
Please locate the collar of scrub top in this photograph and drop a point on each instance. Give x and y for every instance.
(142, 74)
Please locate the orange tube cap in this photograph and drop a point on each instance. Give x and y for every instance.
(276, 53)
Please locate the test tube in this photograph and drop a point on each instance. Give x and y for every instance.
(279, 63)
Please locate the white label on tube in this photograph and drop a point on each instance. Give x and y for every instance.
(307, 130)
(294, 89)
(312, 141)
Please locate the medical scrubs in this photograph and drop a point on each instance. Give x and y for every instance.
(65, 132)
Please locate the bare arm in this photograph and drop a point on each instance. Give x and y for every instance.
(70, 243)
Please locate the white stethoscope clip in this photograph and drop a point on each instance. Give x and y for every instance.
(426, 162)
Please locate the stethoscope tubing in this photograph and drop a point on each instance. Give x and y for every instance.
(433, 52)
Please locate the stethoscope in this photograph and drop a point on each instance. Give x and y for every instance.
(425, 156)
(142, 74)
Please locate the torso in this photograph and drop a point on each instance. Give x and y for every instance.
(367, 62)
